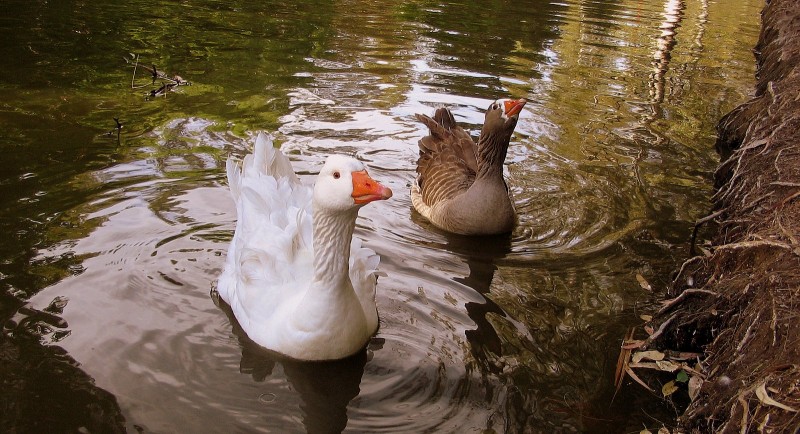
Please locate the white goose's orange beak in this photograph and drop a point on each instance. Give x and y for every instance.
(514, 106)
(366, 189)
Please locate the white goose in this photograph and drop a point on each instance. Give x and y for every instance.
(295, 278)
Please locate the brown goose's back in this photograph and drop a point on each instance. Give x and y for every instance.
(447, 163)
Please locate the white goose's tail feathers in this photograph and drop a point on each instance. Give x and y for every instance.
(234, 178)
(265, 160)
(273, 227)
(271, 161)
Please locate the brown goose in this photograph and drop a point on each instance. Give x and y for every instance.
(460, 186)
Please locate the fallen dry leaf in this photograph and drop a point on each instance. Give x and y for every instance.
(669, 388)
(622, 362)
(643, 282)
(761, 393)
(637, 379)
(649, 355)
(695, 383)
(666, 365)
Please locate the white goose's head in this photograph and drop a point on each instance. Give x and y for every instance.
(344, 184)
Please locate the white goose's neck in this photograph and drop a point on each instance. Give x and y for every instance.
(332, 236)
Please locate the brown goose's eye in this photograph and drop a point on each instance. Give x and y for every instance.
(336, 175)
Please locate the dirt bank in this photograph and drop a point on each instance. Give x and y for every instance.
(738, 302)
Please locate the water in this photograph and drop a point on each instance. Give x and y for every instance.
(126, 231)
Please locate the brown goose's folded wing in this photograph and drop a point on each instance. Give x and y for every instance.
(447, 158)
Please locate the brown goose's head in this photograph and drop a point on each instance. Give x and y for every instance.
(502, 116)
(501, 119)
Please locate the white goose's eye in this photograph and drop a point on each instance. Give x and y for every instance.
(336, 175)
(495, 106)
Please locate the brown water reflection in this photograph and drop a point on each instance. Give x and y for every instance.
(609, 167)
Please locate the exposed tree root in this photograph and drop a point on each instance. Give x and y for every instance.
(739, 305)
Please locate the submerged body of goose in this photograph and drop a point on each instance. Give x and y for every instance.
(296, 279)
(460, 186)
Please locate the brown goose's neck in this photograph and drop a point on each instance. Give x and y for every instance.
(492, 148)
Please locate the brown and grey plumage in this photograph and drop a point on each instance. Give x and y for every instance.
(460, 186)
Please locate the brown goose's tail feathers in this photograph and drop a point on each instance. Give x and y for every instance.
(440, 126)
(445, 118)
(445, 137)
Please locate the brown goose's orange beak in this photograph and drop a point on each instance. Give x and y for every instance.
(366, 189)
(514, 106)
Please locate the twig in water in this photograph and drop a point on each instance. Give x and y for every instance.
(168, 83)
(133, 79)
(697, 226)
(118, 128)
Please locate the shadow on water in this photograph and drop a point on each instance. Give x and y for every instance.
(44, 390)
(325, 388)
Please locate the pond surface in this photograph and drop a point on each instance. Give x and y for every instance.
(120, 234)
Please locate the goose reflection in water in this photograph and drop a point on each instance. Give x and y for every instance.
(480, 254)
(325, 388)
